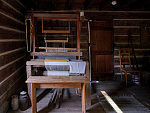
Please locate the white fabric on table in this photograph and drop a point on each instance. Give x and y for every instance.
(77, 67)
(56, 73)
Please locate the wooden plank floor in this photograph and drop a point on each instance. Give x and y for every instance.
(69, 105)
(120, 94)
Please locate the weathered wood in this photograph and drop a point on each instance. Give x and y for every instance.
(12, 47)
(62, 41)
(11, 12)
(57, 79)
(58, 85)
(56, 48)
(33, 95)
(7, 46)
(9, 68)
(56, 54)
(11, 35)
(69, 16)
(48, 85)
(11, 79)
(6, 58)
(56, 31)
(83, 98)
(5, 21)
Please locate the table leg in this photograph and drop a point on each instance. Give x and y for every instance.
(83, 98)
(33, 97)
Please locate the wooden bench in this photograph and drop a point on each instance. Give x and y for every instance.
(57, 82)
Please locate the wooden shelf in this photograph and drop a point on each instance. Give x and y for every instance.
(56, 53)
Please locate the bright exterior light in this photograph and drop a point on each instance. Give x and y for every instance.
(111, 102)
(114, 2)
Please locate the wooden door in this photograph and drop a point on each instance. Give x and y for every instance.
(101, 50)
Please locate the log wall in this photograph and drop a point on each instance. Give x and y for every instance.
(12, 50)
(135, 24)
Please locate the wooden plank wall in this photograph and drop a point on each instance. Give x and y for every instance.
(12, 50)
(84, 40)
(139, 29)
(135, 23)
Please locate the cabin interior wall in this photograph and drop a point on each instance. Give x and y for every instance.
(12, 50)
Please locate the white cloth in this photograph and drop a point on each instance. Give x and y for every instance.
(77, 67)
(56, 73)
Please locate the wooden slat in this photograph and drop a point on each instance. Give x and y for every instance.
(12, 7)
(9, 11)
(18, 84)
(55, 31)
(11, 79)
(126, 27)
(60, 41)
(12, 40)
(11, 29)
(11, 51)
(56, 48)
(57, 79)
(9, 68)
(69, 85)
(69, 16)
(56, 54)
(8, 46)
(12, 18)
(5, 21)
(5, 59)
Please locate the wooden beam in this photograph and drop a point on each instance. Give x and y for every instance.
(56, 54)
(78, 36)
(56, 48)
(60, 41)
(56, 31)
(11, 29)
(57, 79)
(68, 16)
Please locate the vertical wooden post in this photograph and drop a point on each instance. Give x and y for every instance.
(33, 34)
(83, 98)
(33, 95)
(28, 70)
(78, 36)
(42, 23)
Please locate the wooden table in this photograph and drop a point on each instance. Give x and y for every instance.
(57, 82)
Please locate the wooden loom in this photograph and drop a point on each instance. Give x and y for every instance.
(56, 81)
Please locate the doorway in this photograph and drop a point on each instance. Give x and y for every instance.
(101, 50)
